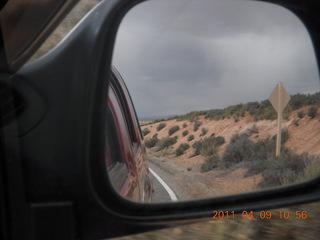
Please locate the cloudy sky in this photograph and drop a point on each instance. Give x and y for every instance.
(180, 55)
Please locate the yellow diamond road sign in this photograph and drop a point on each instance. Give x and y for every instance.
(279, 98)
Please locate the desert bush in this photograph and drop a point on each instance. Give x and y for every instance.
(287, 168)
(161, 126)
(207, 146)
(173, 129)
(210, 163)
(191, 115)
(184, 125)
(190, 138)
(253, 108)
(145, 131)
(312, 112)
(237, 150)
(179, 152)
(151, 142)
(296, 122)
(220, 140)
(182, 148)
(242, 149)
(196, 145)
(254, 167)
(312, 169)
(284, 136)
(300, 114)
(268, 113)
(203, 132)
(196, 125)
(165, 143)
(259, 157)
(185, 133)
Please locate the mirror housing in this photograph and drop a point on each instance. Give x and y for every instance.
(71, 180)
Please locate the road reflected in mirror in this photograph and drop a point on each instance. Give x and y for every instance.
(226, 93)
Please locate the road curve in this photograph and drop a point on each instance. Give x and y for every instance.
(167, 174)
(171, 194)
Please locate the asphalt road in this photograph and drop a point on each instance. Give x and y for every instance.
(160, 193)
(168, 174)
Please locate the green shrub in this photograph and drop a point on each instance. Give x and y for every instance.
(268, 113)
(184, 125)
(203, 132)
(173, 129)
(165, 143)
(196, 125)
(145, 131)
(312, 112)
(259, 157)
(151, 142)
(285, 169)
(182, 148)
(296, 122)
(300, 114)
(179, 152)
(284, 136)
(207, 146)
(210, 163)
(161, 126)
(190, 138)
(196, 145)
(185, 133)
(191, 115)
(312, 169)
(242, 149)
(237, 150)
(219, 140)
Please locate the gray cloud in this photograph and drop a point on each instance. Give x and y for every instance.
(179, 56)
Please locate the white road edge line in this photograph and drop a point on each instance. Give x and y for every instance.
(166, 187)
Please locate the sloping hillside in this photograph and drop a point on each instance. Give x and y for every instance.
(304, 133)
(303, 136)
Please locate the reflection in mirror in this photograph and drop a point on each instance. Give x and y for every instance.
(200, 74)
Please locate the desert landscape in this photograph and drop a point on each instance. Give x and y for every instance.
(232, 150)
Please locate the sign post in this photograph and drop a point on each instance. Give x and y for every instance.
(279, 99)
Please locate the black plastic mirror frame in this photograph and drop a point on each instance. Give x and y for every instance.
(99, 211)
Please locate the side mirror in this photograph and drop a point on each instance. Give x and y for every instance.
(56, 173)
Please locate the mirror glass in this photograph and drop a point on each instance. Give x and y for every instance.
(226, 93)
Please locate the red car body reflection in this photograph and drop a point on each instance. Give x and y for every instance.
(126, 156)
